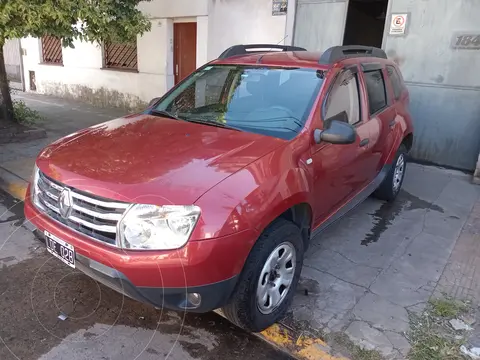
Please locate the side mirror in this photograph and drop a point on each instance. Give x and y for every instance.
(338, 132)
(153, 101)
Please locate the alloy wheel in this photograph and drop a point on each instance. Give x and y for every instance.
(276, 278)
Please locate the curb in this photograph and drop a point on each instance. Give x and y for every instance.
(299, 344)
(26, 135)
(13, 184)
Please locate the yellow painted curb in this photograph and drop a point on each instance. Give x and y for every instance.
(13, 184)
(302, 346)
(18, 190)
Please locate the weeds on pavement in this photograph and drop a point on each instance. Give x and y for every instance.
(24, 115)
(447, 308)
(432, 337)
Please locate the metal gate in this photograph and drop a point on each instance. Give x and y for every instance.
(13, 63)
(319, 24)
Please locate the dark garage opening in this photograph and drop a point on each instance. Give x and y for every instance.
(365, 22)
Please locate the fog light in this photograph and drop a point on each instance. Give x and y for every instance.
(194, 299)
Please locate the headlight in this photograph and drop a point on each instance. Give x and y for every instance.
(34, 190)
(151, 227)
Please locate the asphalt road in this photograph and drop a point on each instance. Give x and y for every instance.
(36, 288)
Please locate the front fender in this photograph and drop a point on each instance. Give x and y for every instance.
(250, 199)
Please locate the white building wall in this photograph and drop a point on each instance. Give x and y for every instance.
(174, 8)
(220, 24)
(83, 77)
(234, 22)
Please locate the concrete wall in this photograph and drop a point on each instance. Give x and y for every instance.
(234, 22)
(444, 83)
(319, 24)
(82, 76)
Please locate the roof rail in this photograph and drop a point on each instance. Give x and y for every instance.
(337, 53)
(244, 49)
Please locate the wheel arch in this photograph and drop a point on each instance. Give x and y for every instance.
(300, 214)
(408, 141)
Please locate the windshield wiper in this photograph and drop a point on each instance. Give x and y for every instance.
(165, 114)
(212, 123)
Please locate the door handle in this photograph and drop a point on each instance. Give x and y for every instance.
(392, 123)
(364, 142)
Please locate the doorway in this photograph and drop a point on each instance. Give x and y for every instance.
(365, 22)
(184, 49)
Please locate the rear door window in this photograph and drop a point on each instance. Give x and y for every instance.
(377, 96)
(396, 81)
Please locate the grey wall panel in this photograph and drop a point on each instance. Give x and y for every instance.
(319, 24)
(447, 125)
(444, 82)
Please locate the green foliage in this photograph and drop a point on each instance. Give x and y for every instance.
(24, 115)
(446, 308)
(89, 20)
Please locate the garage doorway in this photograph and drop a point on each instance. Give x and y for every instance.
(185, 49)
(365, 22)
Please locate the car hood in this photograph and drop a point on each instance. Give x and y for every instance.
(151, 160)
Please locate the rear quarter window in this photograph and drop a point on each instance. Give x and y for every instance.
(396, 81)
(377, 96)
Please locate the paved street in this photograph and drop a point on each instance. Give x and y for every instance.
(102, 324)
(362, 277)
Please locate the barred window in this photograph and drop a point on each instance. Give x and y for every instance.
(120, 56)
(52, 50)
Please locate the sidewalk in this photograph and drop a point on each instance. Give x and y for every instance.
(62, 117)
(365, 274)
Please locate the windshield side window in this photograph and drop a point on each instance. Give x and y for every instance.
(259, 99)
(206, 90)
(343, 102)
(377, 95)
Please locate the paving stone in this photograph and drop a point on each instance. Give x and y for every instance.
(16, 244)
(401, 289)
(381, 313)
(369, 338)
(328, 303)
(342, 267)
(399, 342)
(424, 183)
(461, 276)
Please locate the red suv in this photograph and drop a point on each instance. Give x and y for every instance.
(210, 197)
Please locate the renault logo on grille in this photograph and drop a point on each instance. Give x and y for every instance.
(65, 203)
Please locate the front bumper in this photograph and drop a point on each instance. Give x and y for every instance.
(212, 296)
(161, 278)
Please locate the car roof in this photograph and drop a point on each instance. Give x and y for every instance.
(305, 59)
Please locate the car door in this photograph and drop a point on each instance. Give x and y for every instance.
(381, 116)
(338, 169)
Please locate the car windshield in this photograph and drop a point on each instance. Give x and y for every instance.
(263, 100)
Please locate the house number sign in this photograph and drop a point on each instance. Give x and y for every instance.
(466, 41)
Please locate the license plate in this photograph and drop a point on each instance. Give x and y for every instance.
(60, 249)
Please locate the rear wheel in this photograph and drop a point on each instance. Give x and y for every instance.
(268, 281)
(391, 185)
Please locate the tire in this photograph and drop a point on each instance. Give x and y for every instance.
(391, 185)
(244, 308)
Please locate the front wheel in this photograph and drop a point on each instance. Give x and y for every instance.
(391, 185)
(268, 281)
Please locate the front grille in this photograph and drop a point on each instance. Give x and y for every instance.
(91, 215)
